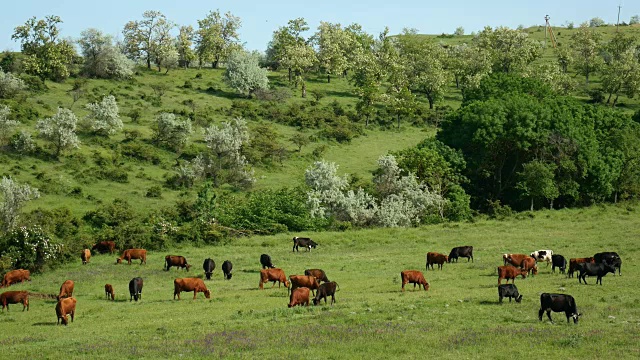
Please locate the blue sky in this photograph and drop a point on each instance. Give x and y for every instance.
(261, 18)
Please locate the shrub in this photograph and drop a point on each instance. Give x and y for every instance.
(154, 192)
(29, 248)
(22, 143)
(10, 85)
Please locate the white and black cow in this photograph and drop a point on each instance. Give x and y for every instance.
(510, 291)
(558, 303)
(304, 242)
(542, 255)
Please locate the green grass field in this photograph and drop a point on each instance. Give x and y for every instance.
(457, 318)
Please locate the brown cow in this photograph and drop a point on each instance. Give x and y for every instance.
(190, 284)
(510, 272)
(299, 296)
(85, 256)
(105, 246)
(177, 261)
(319, 274)
(15, 276)
(413, 277)
(436, 258)
(66, 290)
(514, 259)
(573, 264)
(308, 281)
(529, 264)
(15, 297)
(273, 275)
(133, 254)
(108, 291)
(64, 307)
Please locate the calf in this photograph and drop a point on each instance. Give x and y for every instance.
(558, 303)
(319, 274)
(15, 276)
(304, 242)
(299, 296)
(133, 254)
(105, 247)
(326, 289)
(265, 261)
(436, 258)
(307, 281)
(542, 255)
(414, 277)
(108, 291)
(530, 265)
(177, 261)
(273, 275)
(135, 288)
(510, 272)
(190, 284)
(65, 307)
(208, 266)
(66, 290)
(573, 264)
(461, 251)
(85, 255)
(15, 297)
(227, 266)
(558, 261)
(609, 257)
(510, 291)
(599, 270)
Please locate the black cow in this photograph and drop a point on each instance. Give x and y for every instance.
(461, 251)
(265, 260)
(599, 270)
(304, 242)
(135, 288)
(558, 261)
(226, 269)
(609, 257)
(510, 291)
(326, 289)
(558, 303)
(209, 265)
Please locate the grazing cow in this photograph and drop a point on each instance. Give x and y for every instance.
(85, 256)
(510, 272)
(15, 297)
(304, 242)
(108, 291)
(514, 259)
(510, 291)
(307, 281)
(64, 307)
(558, 303)
(573, 264)
(599, 270)
(66, 290)
(265, 260)
(325, 290)
(299, 296)
(610, 257)
(530, 265)
(273, 275)
(319, 274)
(436, 258)
(558, 261)
(461, 251)
(542, 255)
(190, 284)
(15, 276)
(177, 261)
(414, 277)
(105, 247)
(135, 288)
(227, 266)
(208, 266)
(133, 254)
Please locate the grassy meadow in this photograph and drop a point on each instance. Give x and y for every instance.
(459, 317)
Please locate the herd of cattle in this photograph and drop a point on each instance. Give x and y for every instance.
(315, 281)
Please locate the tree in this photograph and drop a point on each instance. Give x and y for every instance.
(184, 45)
(565, 58)
(469, 65)
(510, 50)
(171, 132)
(10, 85)
(164, 50)
(299, 58)
(46, 56)
(333, 44)
(14, 196)
(366, 78)
(553, 76)
(283, 40)
(596, 22)
(102, 59)
(635, 19)
(459, 31)
(104, 117)
(586, 46)
(536, 181)
(622, 75)
(217, 37)
(142, 38)
(244, 73)
(6, 123)
(60, 130)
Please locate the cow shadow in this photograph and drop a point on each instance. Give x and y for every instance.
(250, 271)
(45, 324)
(487, 302)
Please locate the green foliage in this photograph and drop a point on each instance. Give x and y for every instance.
(596, 22)
(22, 143)
(10, 85)
(510, 50)
(537, 181)
(217, 37)
(14, 198)
(154, 192)
(6, 123)
(29, 248)
(172, 132)
(244, 74)
(102, 59)
(104, 117)
(60, 130)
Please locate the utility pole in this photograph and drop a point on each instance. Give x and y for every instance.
(618, 23)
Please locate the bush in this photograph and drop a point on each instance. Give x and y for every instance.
(29, 248)
(154, 192)
(22, 143)
(597, 96)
